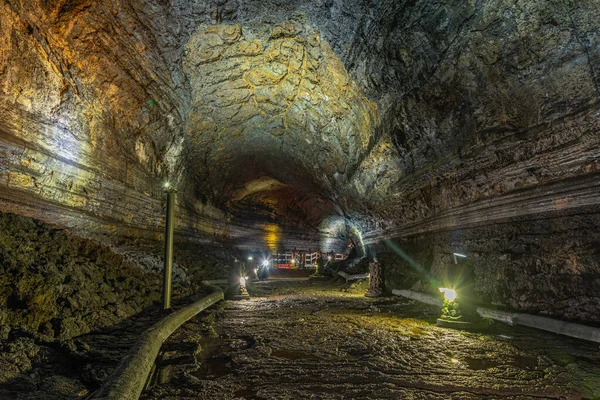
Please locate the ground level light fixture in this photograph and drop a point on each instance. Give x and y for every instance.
(449, 294)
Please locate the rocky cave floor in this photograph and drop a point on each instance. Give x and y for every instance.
(74, 368)
(306, 340)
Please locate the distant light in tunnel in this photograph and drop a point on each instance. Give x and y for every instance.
(272, 237)
(449, 294)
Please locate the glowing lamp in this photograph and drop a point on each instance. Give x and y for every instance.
(265, 263)
(167, 184)
(250, 258)
(449, 294)
(329, 258)
(293, 261)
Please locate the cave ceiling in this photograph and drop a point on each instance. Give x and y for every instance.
(386, 114)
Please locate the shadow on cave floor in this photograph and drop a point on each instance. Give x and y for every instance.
(74, 368)
(303, 340)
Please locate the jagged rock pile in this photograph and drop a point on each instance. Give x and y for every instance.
(57, 286)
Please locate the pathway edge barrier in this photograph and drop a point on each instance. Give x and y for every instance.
(129, 378)
(571, 329)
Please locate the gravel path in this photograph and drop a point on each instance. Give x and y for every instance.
(311, 340)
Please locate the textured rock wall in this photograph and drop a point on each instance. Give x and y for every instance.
(497, 103)
(272, 100)
(91, 118)
(547, 265)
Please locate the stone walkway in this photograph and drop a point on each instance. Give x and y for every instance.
(308, 340)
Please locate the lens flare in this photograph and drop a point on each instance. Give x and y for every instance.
(449, 294)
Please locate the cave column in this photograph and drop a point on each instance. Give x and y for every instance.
(376, 280)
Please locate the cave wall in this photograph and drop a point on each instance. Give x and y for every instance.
(395, 114)
(91, 119)
(497, 113)
(404, 119)
(493, 150)
(547, 265)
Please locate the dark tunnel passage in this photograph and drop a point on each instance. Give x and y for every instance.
(403, 195)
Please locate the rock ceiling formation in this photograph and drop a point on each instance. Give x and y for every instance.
(393, 117)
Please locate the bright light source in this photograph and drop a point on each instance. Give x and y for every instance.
(449, 294)
(256, 270)
(250, 258)
(329, 258)
(460, 255)
(167, 184)
(266, 263)
(243, 281)
(293, 261)
(454, 360)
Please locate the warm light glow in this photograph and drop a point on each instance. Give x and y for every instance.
(293, 261)
(167, 184)
(454, 360)
(449, 294)
(272, 237)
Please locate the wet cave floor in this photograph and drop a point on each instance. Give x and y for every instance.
(321, 340)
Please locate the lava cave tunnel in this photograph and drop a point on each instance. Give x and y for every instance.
(395, 198)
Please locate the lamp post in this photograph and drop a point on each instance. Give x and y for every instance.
(168, 268)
